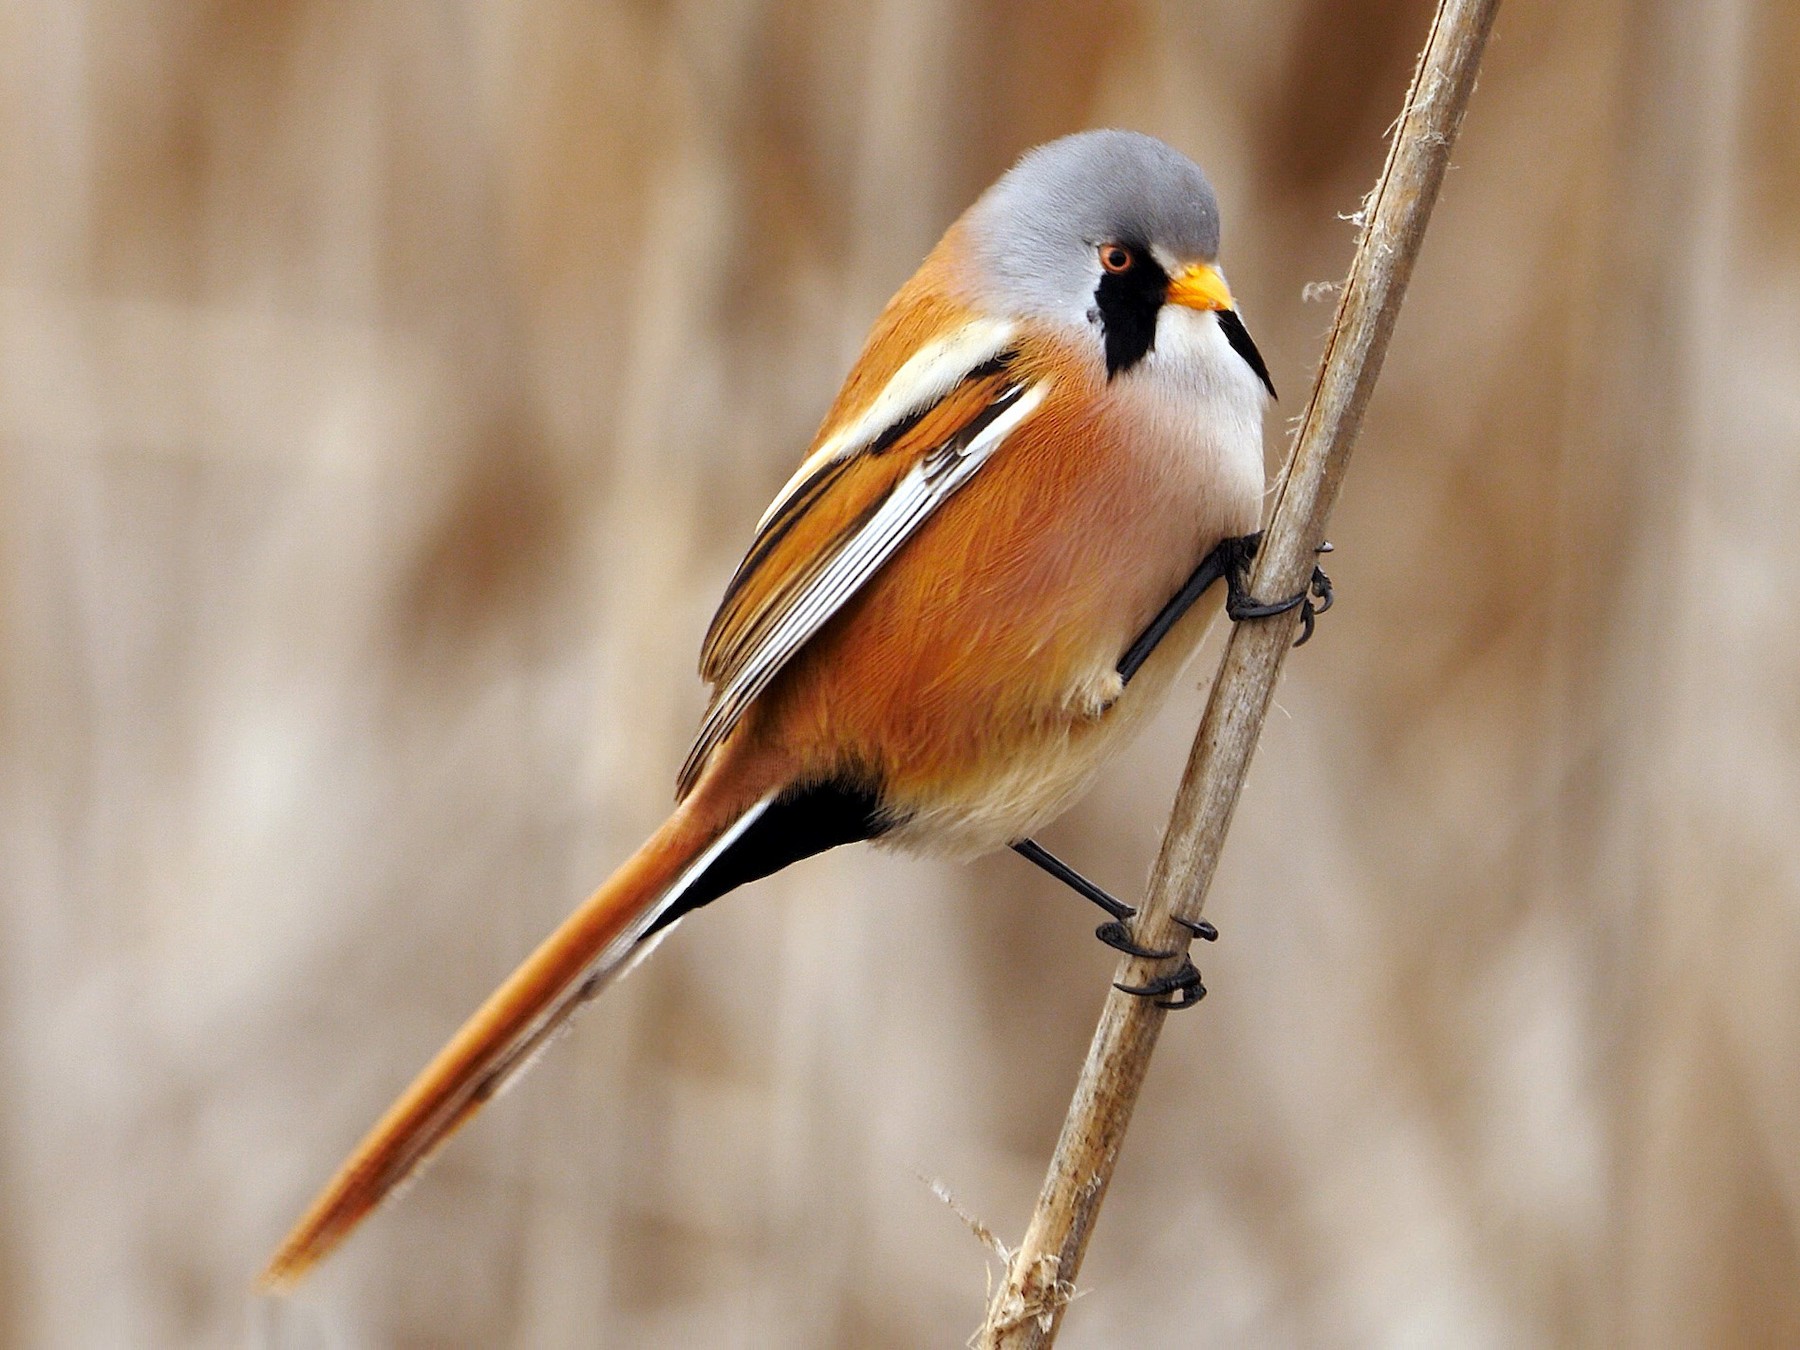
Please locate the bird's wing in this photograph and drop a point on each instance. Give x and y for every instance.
(862, 493)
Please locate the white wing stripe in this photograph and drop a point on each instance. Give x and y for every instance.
(921, 491)
(930, 373)
(906, 507)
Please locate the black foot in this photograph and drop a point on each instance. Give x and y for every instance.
(1320, 590)
(1181, 989)
(1200, 928)
(1118, 937)
(1114, 933)
(1241, 605)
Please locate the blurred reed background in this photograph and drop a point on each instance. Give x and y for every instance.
(386, 392)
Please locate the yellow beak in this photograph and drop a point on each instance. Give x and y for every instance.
(1200, 287)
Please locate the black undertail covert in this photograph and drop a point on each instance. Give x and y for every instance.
(799, 823)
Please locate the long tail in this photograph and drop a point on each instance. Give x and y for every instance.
(505, 1034)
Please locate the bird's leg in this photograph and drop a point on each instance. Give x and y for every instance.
(1113, 933)
(1182, 989)
(1211, 568)
(1230, 560)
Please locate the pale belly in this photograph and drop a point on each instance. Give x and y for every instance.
(1030, 763)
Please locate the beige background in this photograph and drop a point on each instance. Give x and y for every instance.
(386, 391)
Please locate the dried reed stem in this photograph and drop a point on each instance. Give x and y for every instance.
(1027, 1309)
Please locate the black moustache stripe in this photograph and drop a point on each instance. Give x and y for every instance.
(1239, 338)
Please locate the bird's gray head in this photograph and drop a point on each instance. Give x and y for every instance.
(1099, 229)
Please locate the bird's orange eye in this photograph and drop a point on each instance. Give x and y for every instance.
(1117, 258)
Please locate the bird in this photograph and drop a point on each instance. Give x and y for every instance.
(981, 579)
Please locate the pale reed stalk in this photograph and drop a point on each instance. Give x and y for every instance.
(1026, 1309)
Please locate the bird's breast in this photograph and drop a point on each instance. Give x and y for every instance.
(976, 675)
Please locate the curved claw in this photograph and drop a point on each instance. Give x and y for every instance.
(1240, 607)
(1200, 928)
(1321, 587)
(1116, 936)
(1183, 983)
